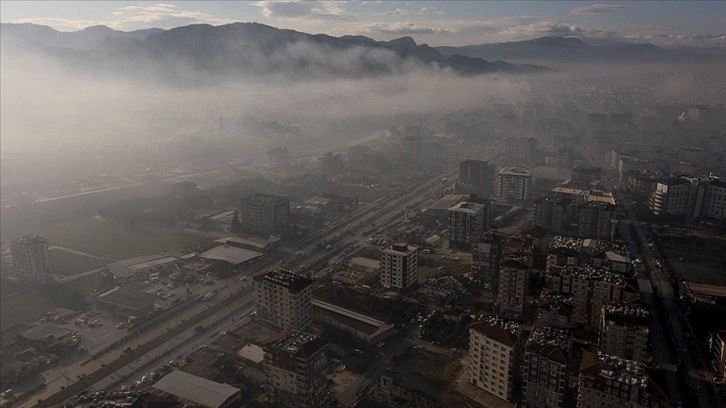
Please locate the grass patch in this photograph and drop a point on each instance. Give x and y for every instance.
(112, 240)
(23, 307)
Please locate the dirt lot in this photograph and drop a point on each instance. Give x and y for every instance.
(696, 258)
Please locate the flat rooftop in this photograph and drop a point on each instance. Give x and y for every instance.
(467, 207)
(360, 322)
(448, 201)
(196, 389)
(231, 254)
(290, 280)
(400, 249)
(44, 331)
(127, 297)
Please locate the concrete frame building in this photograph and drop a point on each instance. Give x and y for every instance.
(545, 368)
(476, 177)
(265, 213)
(521, 149)
(513, 185)
(514, 276)
(294, 366)
(466, 222)
(493, 354)
(692, 197)
(284, 299)
(624, 331)
(30, 258)
(399, 265)
(486, 254)
(595, 220)
(607, 381)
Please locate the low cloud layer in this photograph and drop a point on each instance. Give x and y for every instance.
(599, 9)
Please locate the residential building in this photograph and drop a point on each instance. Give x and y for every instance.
(486, 254)
(514, 273)
(545, 368)
(265, 213)
(467, 221)
(607, 381)
(30, 258)
(585, 176)
(555, 309)
(554, 214)
(493, 355)
(563, 251)
(513, 185)
(476, 177)
(624, 331)
(399, 265)
(521, 149)
(284, 299)
(591, 288)
(692, 197)
(294, 366)
(596, 220)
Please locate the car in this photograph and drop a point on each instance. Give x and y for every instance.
(381, 344)
(120, 325)
(126, 349)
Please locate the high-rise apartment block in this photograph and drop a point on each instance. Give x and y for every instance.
(476, 177)
(595, 220)
(30, 258)
(545, 368)
(692, 197)
(591, 289)
(284, 299)
(493, 354)
(607, 381)
(486, 254)
(294, 364)
(585, 176)
(624, 331)
(554, 214)
(467, 221)
(513, 185)
(399, 265)
(514, 273)
(265, 213)
(521, 149)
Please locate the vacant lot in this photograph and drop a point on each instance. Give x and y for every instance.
(696, 258)
(67, 264)
(111, 240)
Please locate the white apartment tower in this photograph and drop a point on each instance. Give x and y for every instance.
(284, 299)
(399, 265)
(30, 258)
(493, 350)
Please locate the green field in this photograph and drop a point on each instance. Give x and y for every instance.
(112, 240)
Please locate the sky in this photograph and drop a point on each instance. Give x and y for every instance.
(666, 23)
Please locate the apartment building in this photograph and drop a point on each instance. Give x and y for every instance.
(692, 197)
(284, 299)
(513, 185)
(475, 177)
(521, 149)
(606, 381)
(467, 221)
(294, 365)
(555, 214)
(624, 331)
(514, 272)
(486, 254)
(265, 213)
(555, 309)
(399, 265)
(563, 251)
(591, 289)
(30, 258)
(493, 354)
(595, 220)
(545, 368)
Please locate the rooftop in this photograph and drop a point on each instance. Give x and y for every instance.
(290, 280)
(364, 262)
(502, 330)
(195, 389)
(590, 272)
(400, 248)
(545, 335)
(31, 239)
(231, 254)
(44, 331)
(562, 242)
(467, 207)
(614, 368)
(448, 201)
(295, 342)
(253, 241)
(360, 322)
(627, 314)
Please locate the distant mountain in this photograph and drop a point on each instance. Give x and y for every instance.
(40, 35)
(571, 49)
(183, 53)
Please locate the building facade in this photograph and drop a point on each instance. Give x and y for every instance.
(595, 220)
(476, 177)
(493, 355)
(513, 285)
(513, 185)
(265, 213)
(486, 254)
(545, 368)
(30, 258)
(284, 299)
(399, 265)
(466, 222)
(692, 197)
(624, 331)
(607, 381)
(294, 366)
